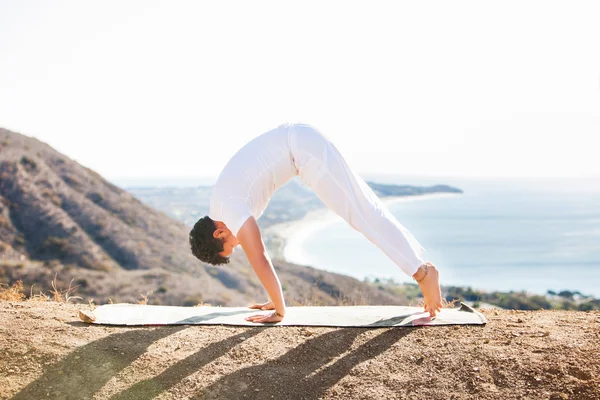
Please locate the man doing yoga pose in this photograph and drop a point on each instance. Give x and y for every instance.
(266, 163)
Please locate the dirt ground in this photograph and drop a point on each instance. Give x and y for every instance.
(47, 352)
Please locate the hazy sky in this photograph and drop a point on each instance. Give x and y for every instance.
(158, 89)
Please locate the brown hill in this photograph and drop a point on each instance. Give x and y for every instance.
(58, 217)
(48, 353)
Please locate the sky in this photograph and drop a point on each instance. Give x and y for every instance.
(145, 89)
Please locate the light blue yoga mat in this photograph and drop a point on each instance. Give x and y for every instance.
(353, 316)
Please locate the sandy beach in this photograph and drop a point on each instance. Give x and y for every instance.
(290, 236)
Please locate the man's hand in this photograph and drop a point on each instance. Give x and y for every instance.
(262, 318)
(428, 279)
(269, 305)
(251, 241)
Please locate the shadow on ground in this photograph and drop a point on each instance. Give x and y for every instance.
(303, 371)
(151, 388)
(84, 371)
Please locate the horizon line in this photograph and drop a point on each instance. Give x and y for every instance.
(206, 180)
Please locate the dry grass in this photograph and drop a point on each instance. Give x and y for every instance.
(63, 296)
(41, 296)
(445, 303)
(15, 292)
(313, 297)
(12, 293)
(144, 299)
(360, 298)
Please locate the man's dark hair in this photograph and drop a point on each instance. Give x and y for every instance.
(205, 246)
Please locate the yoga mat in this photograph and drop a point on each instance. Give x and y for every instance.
(353, 316)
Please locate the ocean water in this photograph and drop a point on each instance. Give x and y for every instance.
(501, 234)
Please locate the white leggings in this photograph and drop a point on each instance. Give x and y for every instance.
(321, 166)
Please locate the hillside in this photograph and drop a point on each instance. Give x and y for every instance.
(48, 353)
(58, 218)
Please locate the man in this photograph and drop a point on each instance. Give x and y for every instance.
(262, 166)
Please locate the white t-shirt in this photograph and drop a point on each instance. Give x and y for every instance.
(250, 178)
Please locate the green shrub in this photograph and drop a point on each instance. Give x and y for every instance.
(28, 163)
(55, 246)
(193, 300)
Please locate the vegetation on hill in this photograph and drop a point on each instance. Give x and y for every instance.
(383, 190)
(564, 300)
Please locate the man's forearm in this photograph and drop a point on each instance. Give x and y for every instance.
(266, 274)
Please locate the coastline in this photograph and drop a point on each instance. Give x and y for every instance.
(286, 239)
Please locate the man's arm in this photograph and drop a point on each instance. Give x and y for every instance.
(251, 241)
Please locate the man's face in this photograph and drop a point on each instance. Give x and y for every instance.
(229, 243)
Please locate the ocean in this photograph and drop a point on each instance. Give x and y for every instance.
(518, 234)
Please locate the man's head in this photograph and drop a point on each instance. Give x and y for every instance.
(212, 241)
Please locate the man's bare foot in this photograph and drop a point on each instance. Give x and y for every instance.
(428, 278)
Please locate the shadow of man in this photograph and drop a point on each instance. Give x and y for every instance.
(84, 371)
(151, 388)
(293, 374)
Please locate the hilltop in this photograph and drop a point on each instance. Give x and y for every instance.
(48, 353)
(58, 218)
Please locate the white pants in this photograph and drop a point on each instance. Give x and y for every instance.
(321, 166)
